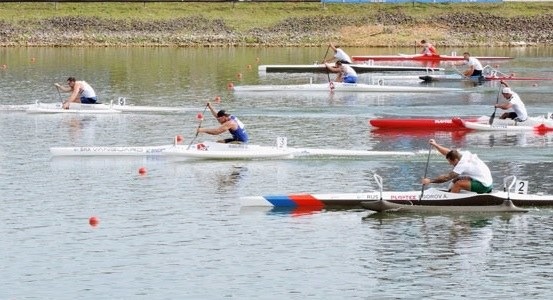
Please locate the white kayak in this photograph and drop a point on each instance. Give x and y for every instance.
(341, 87)
(539, 124)
(119, 106)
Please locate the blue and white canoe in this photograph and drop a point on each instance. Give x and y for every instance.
(342, 87)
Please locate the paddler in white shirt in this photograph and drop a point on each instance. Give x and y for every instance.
(519, 113)
(469, 172)
(339, 54)
(81, 92)
(474, 66)
(346, 73)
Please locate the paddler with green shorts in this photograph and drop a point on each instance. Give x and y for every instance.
(469, 172)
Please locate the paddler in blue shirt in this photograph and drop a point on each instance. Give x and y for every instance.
(228, 122)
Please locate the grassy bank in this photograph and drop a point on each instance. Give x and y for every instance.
(272, 24)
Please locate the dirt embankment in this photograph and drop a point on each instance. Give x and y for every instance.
(381, 30)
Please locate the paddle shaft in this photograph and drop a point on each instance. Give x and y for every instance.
(327, 71)
(58, 89)
(426, 170)
(492, 117)
(199, 126)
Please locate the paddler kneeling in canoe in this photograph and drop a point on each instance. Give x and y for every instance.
(81, 92)
(228, 122)
(469, 172)
(345, 73)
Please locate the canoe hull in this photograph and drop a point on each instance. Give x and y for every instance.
(212, 150)
(80, 108)
(359, 68)
(422, 58)
(341, 87)
(74, 108)
(458, 77)
(109, 151)
(386, 206)
(423, 123)
(536, 124)
(431, 197)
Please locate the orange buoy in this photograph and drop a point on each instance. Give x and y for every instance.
(230, 86)
(217, 99)
(249, 67)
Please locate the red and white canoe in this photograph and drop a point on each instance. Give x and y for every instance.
(421, 57)
(424, 123)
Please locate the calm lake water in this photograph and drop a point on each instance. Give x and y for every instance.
(179, 232)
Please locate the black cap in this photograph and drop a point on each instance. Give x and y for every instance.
(222, 113)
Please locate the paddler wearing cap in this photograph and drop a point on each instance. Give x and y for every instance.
(518, 113)
(228, 122)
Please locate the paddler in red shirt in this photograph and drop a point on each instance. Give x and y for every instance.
(428, 49)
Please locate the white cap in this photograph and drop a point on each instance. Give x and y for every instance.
(506, 90)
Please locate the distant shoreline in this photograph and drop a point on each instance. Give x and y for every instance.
(274, 25)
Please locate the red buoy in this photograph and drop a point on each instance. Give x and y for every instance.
(142, 171)
(93, 221)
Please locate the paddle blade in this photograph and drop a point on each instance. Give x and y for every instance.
(492, 117)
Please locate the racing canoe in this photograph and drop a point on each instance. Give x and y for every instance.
(113, 108)
(341, 87)
(424, 123)
(387, 206)
(422, 58)
(221, 151)
(430, 197)
(109, 151)
(538, 124)
(321, 68)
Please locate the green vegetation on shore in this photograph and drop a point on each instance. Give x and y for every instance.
(272, 24)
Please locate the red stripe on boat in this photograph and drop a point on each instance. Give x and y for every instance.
(306, 200)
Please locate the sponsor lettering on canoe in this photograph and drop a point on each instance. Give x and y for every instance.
(446, 121)
(415, 197)
(110, 149)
